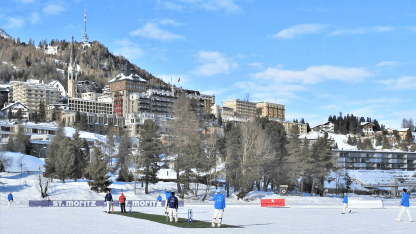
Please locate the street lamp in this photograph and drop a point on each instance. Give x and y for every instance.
(40, 151)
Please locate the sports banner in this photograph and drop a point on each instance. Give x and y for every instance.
(272, 202)
(92, 203)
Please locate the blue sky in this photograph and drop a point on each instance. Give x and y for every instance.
(318, 58)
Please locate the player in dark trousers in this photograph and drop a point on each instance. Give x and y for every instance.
(108, 199)
(122, 200)
(173, 207)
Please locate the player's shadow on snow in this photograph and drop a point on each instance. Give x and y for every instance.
(257, 224)
(13, 188)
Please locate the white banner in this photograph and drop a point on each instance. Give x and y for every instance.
(368, 204)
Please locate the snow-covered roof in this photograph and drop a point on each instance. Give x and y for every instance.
(323, 123)
(69, 132)
(132, 76)
(402, 129)
(365, 123)
(10, 105)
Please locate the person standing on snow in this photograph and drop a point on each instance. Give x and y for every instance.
(345, 207)
(167, 194)
(404, 207)
(173, 207)
(159, 201)
(219, 206)
(10, 199)
(122, 199)
(108, 199)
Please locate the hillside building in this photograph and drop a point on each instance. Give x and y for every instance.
(324, 127)
(375, 160)
(32, 92)
(271, 110)
(245, 109)
(90, 106)
(14, 108)
(59, 86)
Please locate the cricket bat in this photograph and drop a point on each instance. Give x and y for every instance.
(167, 214)
(112, 207)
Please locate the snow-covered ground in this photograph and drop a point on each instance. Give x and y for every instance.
(301, 214)
(251, 219)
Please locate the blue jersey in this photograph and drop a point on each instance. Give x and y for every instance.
(346, 199)
(219, 201)
(167, 194)
(405, 200)
(10, 197)
(159, 198)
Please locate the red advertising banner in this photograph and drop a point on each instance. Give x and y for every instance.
(272, 202)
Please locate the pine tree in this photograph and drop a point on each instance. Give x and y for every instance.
(233, 152)
(320, 162)
(110, 142)
(386, 143)
(81, 150)
(19, 114)
(349, 141)
(65, 160)
(219, 120)
(123, 151)
(42, 112)
(125, 175)
(379, 139)
(150, 149)
(348, 181)
(97, 172)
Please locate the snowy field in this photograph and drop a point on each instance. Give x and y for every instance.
(302, 214)
(252, 219)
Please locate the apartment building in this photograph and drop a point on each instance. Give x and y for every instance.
(135, 121)
(271, 110)
(97, 122)
(90, 106)
(209, 101)
(121, 86)
(375, 160)
(153, 100)
(302, 128)
(245, 108)
(32, 92)
(128, 80)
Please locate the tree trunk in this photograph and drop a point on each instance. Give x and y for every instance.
(258, 185)
(266, 184)
(313, 185)
(146, 188)
(207, 189)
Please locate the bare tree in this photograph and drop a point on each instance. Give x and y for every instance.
(212, 151)
(43, 184)
(257, 151)
(181, 130)
(21, 163)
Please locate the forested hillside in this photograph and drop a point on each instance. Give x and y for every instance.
(49, 61)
